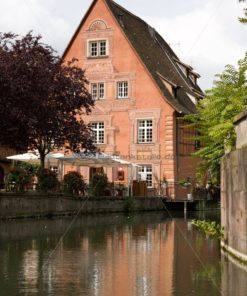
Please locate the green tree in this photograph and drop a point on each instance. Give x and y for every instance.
(215, 115)
(244, 18)
(42, 98)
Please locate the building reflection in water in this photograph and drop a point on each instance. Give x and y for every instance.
(30, 269)
(135, 261)
(146, 255)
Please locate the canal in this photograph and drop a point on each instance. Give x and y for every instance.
(143, 254)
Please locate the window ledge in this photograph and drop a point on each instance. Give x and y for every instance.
(146, 144)
(97, 57)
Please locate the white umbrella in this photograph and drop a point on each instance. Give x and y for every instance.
(33, 157)
(27, 157)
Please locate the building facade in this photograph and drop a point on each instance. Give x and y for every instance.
(140, 88)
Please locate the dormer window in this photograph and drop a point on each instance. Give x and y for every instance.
(192, 78)
(97, 48)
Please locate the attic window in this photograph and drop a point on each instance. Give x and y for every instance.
(97, 48)
(192, 78)
(170, 86)
(183, 69)
(121, 19)
(192, 98)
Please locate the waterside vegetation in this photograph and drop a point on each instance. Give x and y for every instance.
(209, 228)
(214, 118)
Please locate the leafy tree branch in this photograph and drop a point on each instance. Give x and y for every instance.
(42, 98)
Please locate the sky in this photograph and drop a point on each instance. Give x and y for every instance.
(203, 33)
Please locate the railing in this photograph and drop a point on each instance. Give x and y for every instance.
(174, 189)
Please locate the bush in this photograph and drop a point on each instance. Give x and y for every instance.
(74, 183)
(98, 184)
(17, 179)
(210, 228)
(128, 204)
(47, 180)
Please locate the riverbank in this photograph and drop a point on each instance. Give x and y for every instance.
(40, 205)
(31, 205)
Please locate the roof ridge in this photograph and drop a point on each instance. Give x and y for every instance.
(156, 54)
(126, 10)
(147, 24)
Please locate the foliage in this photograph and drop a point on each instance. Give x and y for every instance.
(74, 183)
(243, 19)
(47, 180)
(128, 204)
(43, 98)
(17, 179)
(210, 228)
(31, 169)
(215, 115)
(185, 183)
(98, 184)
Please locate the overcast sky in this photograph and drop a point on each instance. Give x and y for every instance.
(204, 33)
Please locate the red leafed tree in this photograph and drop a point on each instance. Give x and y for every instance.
(41, 98)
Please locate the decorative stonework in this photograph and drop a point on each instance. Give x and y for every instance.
(147, 153)
(135, 115)
(93, 68)
(98, 25)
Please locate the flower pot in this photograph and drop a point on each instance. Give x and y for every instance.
(189, 196)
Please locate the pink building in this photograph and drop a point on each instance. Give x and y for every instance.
(140, 88)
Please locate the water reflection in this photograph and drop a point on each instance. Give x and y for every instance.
(234, 275)
(30, 270)
(142, 255)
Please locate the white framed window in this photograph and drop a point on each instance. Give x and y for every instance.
(145, 174)
(54, 168)
(122, 90)
(98, 132)
(145, 131)
(98, 90)
(97, 48)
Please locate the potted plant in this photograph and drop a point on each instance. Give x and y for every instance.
(187, 184)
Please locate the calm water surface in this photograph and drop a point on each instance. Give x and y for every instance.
(124, 255)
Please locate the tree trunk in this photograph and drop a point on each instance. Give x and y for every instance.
(42, 161)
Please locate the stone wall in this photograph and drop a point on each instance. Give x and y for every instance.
(13, 205)
(234, 202)
(241, 127)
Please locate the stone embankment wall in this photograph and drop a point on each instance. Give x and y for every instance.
(16, 206)
(234, 195)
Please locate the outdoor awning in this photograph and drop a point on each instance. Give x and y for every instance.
(95, 160)
(98, 159)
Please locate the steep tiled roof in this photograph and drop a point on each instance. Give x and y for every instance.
(158, 57)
